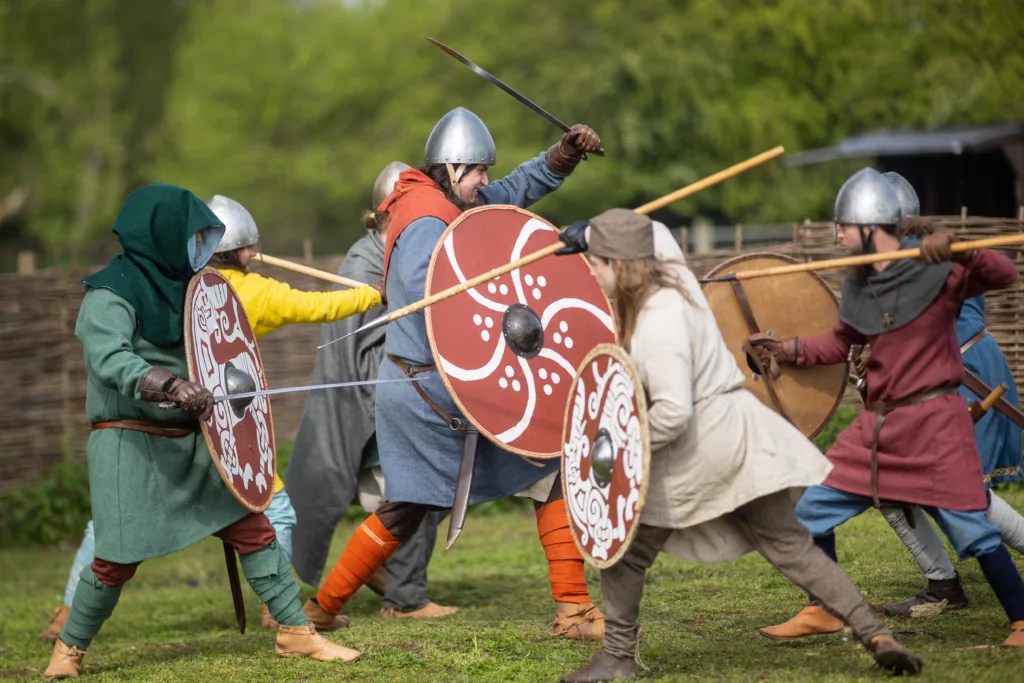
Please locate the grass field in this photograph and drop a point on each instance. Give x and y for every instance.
(175, 621)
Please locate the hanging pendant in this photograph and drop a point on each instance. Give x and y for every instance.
(887, 320)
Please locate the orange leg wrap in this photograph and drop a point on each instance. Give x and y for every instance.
(565, 564)
(369, 548)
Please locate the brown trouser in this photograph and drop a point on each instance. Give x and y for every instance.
(771, 526)
(247, 535)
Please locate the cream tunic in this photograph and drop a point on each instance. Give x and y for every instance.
(714, 445)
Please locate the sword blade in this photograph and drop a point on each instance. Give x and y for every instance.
(463, 486)
(376, 322)
(311, 387)
(517, 95)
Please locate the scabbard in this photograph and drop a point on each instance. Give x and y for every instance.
(978, 386)
(463, 485)
(236, 586)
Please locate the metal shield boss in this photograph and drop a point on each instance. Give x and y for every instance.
(223, 356)
(508, 349)
(606, 456)
(797, 304)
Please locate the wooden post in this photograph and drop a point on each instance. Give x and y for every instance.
(307, 250)
(1020, 213)
(963, 219)
(26, 262)
(738, 239)
(684, 237)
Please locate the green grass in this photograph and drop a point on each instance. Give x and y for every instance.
(175, 621)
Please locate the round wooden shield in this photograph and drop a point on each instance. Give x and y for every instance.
(606, 459)
(218, 336)
(798, 304)
(514, 398)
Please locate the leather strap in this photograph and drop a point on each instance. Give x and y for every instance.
(883, 408)
(454, 423)
(972, 341)
(173, 430)
(979, 387)
(752, 326)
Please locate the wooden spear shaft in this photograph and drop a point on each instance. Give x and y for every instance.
(312, 272)
(551, 249)
(865, 259)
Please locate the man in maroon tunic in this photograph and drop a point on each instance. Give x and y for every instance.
(915, 441)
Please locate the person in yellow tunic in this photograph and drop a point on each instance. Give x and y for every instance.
(269, 304)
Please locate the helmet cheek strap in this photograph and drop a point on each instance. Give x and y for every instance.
(865, 238)
(454, 175)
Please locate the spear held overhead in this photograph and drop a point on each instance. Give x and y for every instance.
(551, 249)
(865, 259)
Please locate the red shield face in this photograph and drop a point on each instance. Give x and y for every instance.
(507, 350)
(606, 460)
(218, 337)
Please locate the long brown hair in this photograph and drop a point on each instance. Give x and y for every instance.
(635, 282)
(439, 174)
(228, 260)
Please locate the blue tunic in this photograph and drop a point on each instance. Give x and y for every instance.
(419, 453)
(999, 439)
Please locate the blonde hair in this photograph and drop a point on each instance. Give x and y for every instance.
(635, 281)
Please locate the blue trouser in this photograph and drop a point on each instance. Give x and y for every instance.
(822, 508)
(280, 513)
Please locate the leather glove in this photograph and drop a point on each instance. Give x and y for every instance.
(575, 239)
(935, 248)
(379, 286)
(563, 156)
(772, 352)
(160, 384)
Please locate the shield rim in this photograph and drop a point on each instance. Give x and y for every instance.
(717, 270)
(190, 361)
(430, 328)
(640, 397)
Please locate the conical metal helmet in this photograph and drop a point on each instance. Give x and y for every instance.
(867, 198)
(460, 137)
(910, 205)
(386, 181)
(239, 227)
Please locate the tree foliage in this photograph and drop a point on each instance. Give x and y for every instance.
(293, 107)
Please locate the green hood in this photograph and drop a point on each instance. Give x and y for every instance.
(156, 226)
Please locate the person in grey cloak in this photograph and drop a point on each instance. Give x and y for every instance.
(419, 427)
(335, 460)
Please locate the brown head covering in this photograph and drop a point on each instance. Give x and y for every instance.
(621, 234)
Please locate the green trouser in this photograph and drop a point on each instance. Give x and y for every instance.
(267, 571)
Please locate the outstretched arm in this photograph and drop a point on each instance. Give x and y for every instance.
(271, 304)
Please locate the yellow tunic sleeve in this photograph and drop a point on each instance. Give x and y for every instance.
(271, 304)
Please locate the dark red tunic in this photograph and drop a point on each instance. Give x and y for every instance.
(927, 454)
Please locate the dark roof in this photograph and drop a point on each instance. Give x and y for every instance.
(912, 142)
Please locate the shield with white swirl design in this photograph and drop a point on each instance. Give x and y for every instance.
(217, 336)
(508, 349)
(606, 458)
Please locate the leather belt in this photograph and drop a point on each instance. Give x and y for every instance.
(454, 423)
(170, 429)
(973, 340)
(883, 408)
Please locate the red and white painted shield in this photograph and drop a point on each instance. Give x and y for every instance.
(606, 460)
(515, 399)
(218, 337)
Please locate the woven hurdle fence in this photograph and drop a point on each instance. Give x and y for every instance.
(42, 417)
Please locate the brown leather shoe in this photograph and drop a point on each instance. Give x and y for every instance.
(304, 641)
(266, 621)
(65, 662)
(603, 667)
(322, 619)
(431, 611)
(893, 657)
(57, 619)
(950, 590)
(1016, 638)
(812, 620)
(378, 581)
(578, 621)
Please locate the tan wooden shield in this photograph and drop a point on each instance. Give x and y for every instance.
(606, 455)
(798, 304)
(217, 336)
(514, 398)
